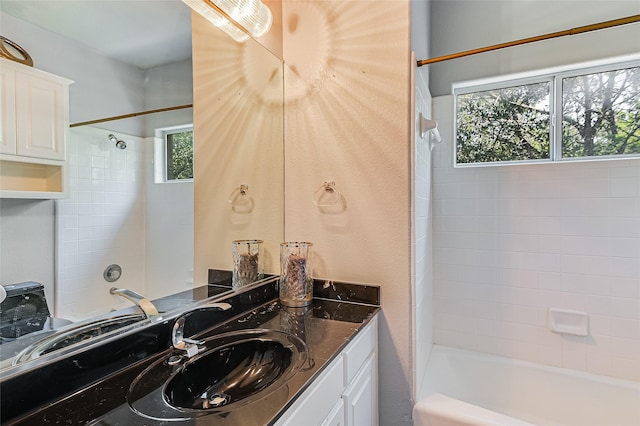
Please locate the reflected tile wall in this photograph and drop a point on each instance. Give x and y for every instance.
(102, 222)
(511, 242)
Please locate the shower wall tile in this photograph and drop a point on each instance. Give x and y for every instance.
(511, 242)
(422, 236)
(101, 223)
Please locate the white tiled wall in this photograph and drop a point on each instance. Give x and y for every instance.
(102, 222)
(511, 242)
(422, 234)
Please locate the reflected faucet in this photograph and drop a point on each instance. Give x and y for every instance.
(190, 346)
(145, 305)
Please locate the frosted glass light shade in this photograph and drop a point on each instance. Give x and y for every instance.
(253, 15)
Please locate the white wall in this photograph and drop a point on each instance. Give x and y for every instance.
(169, 241)
(103, 87)
(166, 86)
(421, 226)
(347, 91)
(169, 228)
(422, 235)
(32, 258)
(468, 24)
(511, 242)
(420, 25)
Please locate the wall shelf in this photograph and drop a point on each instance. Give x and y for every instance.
(37, 179)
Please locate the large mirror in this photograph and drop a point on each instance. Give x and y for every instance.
(123, 218)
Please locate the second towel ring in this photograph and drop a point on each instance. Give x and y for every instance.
(241, 201)
(320, 192)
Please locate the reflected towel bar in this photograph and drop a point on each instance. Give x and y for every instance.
(133, 114)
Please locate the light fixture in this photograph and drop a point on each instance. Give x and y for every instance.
(238, 18)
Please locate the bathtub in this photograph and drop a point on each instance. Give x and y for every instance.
(470, 388)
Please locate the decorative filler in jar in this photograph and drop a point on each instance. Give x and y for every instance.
(296, 282)
(247, 262)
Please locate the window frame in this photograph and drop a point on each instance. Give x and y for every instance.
(161, 156)
(555, 76)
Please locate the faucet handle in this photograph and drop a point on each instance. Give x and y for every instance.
(177, 335)
(190, 346)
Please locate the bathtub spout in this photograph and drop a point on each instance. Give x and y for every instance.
(145, 305)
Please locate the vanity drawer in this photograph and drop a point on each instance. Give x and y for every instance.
(358, 351)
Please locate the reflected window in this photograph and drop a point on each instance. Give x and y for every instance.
(178, 146)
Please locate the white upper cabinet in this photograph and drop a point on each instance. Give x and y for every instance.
(35, 112)
(34, 117)
(7, 109)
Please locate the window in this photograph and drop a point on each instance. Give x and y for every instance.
(504, 124)
(601, 114)
(178, 147)
(515, 120)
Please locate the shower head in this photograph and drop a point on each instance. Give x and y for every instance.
(119, 142)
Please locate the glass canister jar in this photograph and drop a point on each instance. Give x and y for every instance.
(296, 281)
(247, 262)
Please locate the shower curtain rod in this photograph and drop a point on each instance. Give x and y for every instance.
(134, 114)
(573, 31)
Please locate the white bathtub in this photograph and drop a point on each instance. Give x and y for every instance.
(470, 388)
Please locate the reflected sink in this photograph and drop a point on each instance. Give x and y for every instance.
(232, 369)
(75, 334)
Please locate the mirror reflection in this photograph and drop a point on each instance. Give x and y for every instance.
(124, 235)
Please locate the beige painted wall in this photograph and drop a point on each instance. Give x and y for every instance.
(347, 120)
(272, 40)
(347, 111)
(237, 140)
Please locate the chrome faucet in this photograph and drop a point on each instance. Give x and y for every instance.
(190, 346)
(145, 305)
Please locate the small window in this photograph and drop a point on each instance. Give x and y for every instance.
(578, 113)
(178, 154)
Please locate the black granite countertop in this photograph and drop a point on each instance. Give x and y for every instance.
(338, 312)
(219, 284)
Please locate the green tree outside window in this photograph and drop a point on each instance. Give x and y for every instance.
(179, 155)
(599, 116)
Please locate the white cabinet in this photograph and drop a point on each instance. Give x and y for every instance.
(34, 107)
(7, 109)
(361, 397)
(346, 393)
(336, 415)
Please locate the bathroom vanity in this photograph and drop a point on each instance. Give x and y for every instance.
(238, 359)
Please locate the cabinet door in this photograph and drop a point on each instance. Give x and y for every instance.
(315, 404)
(7, 111)
(40, 117)
(361, 396)
(336, 416)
